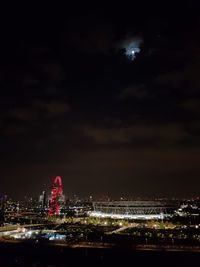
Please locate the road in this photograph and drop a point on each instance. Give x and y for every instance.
(135, 247)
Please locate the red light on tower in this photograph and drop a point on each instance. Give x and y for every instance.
(56, 193)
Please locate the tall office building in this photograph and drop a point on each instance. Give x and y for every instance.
(42, 199)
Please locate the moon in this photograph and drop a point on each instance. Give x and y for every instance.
(131, 50)
(132, 47)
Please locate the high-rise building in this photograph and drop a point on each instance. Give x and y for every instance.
(42, 199)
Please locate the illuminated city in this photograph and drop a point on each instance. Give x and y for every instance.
(56, 220)
(100, 134)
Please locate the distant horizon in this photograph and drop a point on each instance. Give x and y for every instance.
(107, 197)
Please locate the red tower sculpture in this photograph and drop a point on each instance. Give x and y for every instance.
(56, 193)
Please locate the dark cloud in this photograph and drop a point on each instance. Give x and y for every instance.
(23, 120)
(24, 114)
(52, 72)
(173, 79)
(90, 34)
(137, 91)
(192, 105)
(52, 107)
(153, 134)
(184, 74)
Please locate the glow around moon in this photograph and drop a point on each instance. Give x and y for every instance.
(131, 50)
(132, 47)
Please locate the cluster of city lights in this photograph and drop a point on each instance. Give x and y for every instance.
(128, 216)
(50, 235)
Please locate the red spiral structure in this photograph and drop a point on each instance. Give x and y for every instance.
(56, 193)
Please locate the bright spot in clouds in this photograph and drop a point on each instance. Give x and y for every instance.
(131, 46)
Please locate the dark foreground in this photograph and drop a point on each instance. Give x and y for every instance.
(44, 255)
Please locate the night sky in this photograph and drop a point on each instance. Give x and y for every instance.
(108, 98)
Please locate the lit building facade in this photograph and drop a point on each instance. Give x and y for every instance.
(132, 209)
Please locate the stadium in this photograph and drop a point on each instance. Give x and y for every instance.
(132, 209)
